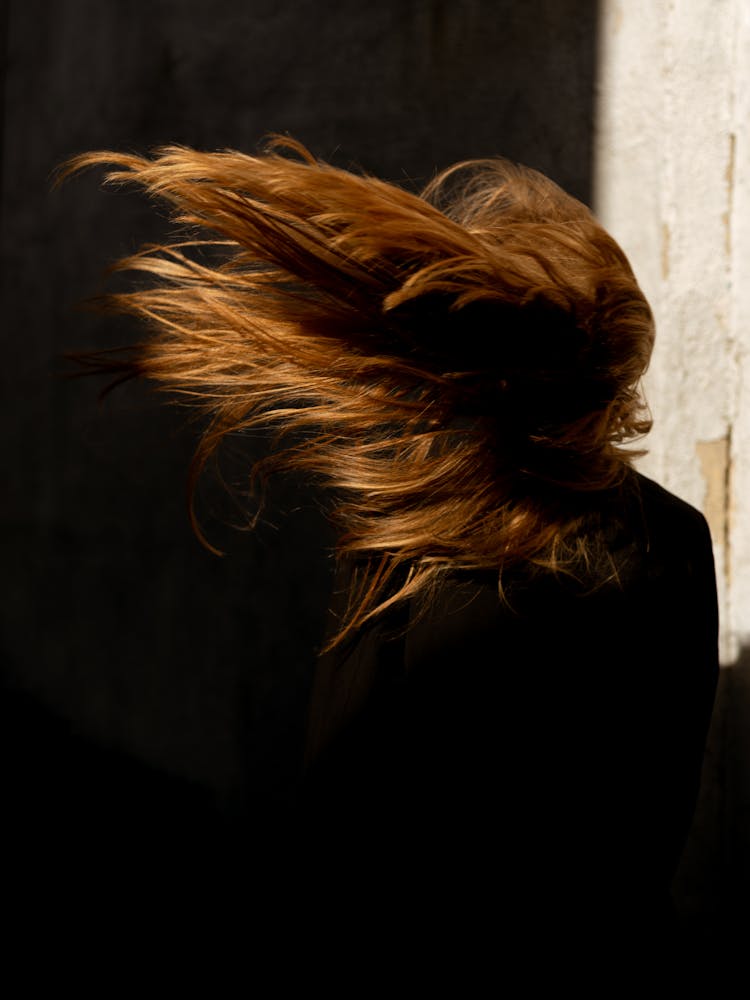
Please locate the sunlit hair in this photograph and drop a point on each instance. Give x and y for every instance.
(461, 367)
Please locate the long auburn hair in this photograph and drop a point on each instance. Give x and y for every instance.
(461, 366)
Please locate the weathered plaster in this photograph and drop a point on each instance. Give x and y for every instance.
(671, 184)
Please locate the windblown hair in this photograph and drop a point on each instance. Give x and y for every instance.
(461, 367)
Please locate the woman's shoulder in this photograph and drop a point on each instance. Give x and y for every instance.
(646, 553)
(666, 509)
(677, 538)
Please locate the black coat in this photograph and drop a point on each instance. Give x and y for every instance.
(539, 756)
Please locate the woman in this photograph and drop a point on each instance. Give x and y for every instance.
(514, 698)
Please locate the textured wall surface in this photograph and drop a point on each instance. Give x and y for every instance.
(671, 181)
(671, 175)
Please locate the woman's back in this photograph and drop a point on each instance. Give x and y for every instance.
(544, 751)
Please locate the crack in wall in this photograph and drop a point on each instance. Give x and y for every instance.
(729, 179)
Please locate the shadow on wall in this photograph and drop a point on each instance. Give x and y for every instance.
(134, 645)
(712, 885)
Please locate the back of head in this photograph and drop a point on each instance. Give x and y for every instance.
(565, 327)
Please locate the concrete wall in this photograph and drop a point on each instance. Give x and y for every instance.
(672, 166)
(672, 184)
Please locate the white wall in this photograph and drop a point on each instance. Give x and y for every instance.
(672, 185)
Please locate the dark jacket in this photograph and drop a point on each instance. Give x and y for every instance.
(541, 755)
